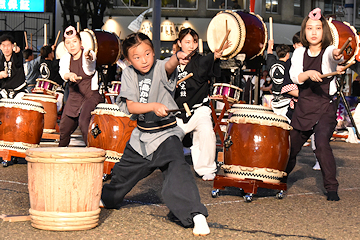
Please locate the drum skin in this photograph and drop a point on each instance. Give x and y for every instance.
(256, 35)
(20, 125)
(344, 31)
(115, 132)
(260, 146)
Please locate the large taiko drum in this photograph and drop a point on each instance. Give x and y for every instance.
(110, 129)
(50, 107)
(65, 187)
(249, 107)
(257, 146)
(340, 32)
(248, 33)
(21, 124)
(106, 46)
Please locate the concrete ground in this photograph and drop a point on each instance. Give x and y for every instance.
(304, 212)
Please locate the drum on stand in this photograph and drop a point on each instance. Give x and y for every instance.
(257, 146)
(45, 86)
(231, 92)
(248, 33)
(65, 187)
(50, 107)
(340, 32)
(109, 129)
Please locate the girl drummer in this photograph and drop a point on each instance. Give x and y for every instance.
(78, 67)
(194, 91)
(315, 111)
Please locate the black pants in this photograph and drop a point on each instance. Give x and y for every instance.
(323, 132)
(179, 190)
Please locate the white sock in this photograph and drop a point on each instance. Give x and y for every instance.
(201, 228)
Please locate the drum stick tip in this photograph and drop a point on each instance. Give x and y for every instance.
(187, 109)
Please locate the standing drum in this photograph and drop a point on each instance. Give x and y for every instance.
(65, 187)
(110, 129)
(258, 146)
(340, 32)
(231, 92)
(50, 107)
(21, 124)
(248, 33)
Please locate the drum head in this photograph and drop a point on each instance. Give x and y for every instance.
(60, 50)
(217, 30)
(87, 40)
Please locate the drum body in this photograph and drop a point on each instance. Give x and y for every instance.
(45, 86)
(65, 187)
(21, 124)
(50, 107)
(231, 92)
(340, 32)
(258, 146)
(110, 129)
(115, 88)
(248, 33)
(249, 107)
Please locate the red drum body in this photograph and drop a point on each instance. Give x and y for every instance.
(106, 46)
(232, 93)
(45, 86)
(248, 33)
(21, 124)
(50, 107)
(340, 32)
(257, 147)
(110, 129)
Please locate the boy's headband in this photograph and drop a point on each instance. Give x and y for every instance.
(315, 14)
(67, 32)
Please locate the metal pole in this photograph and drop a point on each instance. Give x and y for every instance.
(156, 17)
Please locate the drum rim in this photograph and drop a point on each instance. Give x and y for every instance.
(228, 85)
(47, 80)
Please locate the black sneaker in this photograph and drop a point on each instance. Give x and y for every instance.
(332, 196)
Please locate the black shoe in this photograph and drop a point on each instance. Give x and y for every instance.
(332, 196)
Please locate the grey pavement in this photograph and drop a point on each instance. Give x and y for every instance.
(304, 212)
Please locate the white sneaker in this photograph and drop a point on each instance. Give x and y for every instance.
(209, 177)
(316, 166)
(201, 228)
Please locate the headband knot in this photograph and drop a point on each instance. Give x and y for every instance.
(315, 14)
(70, 32)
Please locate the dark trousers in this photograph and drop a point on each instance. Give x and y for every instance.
(179, 190)
(323, 131)
(69, 124)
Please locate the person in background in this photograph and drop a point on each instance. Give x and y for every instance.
(12, 75)
(31, 68)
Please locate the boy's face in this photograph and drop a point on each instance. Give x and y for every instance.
(7, 48)
(141, 57)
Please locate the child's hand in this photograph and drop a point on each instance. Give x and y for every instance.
(337, 55)
(181, 56)
(88, 55)
(160, 109)
(3, 74)
(314, 75)
(218, 52)
(73, 77)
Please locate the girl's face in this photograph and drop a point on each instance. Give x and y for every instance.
(141, 57)
(188, 44)
(73, 45)
(314, 32)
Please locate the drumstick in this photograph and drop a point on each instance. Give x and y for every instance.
(345, 44)
(57, 37)
(78, 26)
(225, 38)
(30, 40)
(185, 109)
(336, 73)
(26, 42)
(185, 78)
(78, 78)
(271, 28)
(45, 34)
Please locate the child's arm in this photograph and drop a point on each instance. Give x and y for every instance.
(140, 108)
(171, 65)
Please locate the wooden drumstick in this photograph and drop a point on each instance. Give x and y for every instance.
(271, 28)
(345, 44)
(57, 38)
(336, 73)
(78, 78)
(26, 42)
(30, 40)
(185, 109)
(185, 78)
(45, 34)
(225, 38)
(78, 26)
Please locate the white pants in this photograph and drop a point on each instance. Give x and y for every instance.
(203, 149)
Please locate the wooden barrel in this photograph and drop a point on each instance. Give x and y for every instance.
(50, 107)
(65, 187)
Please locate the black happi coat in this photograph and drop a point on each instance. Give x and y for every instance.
(196, 88)
(15, 71)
